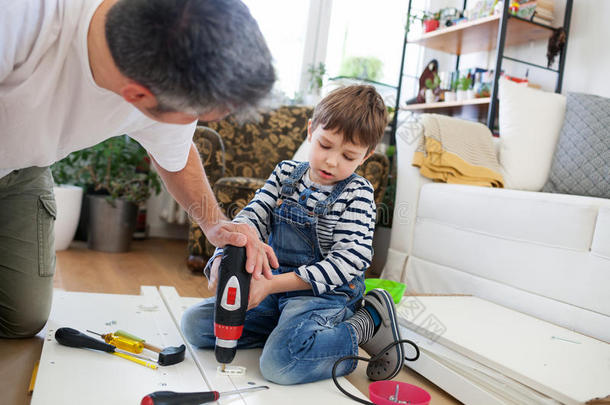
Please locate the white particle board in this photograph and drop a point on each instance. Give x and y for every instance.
(467, 380)
(323, 392)
(68, 374)
(559, 363)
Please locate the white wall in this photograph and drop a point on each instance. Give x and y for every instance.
(588, 59)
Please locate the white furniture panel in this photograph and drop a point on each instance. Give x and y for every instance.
(69, 375)
(564, 365)
(437, 279)
(323, 392)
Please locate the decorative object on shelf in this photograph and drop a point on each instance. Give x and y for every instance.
(482, 8)
(545, 12)
(429, 73)
(482, 83)
(450, 96)
(449, 16)
(525, 10)
(464, 84)
(432, 88)
(498, 7)
(431, 21)
(557, 41)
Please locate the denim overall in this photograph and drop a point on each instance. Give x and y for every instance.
(302, 334)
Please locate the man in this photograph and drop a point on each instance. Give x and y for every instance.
(76, 72)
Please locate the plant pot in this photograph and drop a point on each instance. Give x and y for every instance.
(460, 95)
(450, 96)
(430, 97)
(431, 25)
(381, 244)
(110, 229)
(69, 200)
(470, 94)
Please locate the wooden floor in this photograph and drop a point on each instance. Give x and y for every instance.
(153, 262)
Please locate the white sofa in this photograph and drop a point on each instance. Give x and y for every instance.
(547, 255)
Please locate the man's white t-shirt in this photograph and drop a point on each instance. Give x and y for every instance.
(49, 104)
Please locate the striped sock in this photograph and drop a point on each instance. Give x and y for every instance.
(363, 325)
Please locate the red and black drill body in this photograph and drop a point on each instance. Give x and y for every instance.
(231, 302)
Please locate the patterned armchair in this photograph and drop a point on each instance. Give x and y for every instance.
(238, 159)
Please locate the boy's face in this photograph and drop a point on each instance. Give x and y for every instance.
(330, 158)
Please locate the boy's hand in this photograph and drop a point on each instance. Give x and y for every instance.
(213, 280)
(259, 256)
(259, 290)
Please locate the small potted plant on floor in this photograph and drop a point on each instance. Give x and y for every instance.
(118, 177)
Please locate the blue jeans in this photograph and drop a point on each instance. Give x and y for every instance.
(301, 335)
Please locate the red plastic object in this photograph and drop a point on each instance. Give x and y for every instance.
(381, 391)
(231, 295)
(431, 25)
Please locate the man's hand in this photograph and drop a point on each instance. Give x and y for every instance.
(259, 289)
(259, 256)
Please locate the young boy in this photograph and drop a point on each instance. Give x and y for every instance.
(319, 218)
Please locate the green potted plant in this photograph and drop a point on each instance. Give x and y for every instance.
(432, 86)
(118, 178)
(463, 86)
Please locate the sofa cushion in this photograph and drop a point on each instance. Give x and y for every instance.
(530, 122)
(543, 254)
(582, 159)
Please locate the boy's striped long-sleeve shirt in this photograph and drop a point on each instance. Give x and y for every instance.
(345, 233)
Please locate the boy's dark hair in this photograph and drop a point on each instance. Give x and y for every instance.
(193, 55)
(357, 112)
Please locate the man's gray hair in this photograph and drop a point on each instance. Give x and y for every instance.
(193, 55)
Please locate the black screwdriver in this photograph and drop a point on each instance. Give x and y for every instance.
(191, 398)
(73, 338)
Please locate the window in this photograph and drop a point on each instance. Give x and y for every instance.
(284, 25)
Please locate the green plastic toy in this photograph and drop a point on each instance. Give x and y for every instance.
(395, 288)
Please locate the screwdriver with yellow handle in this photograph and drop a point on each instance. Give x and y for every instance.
(73, 338)
(122, 333)
(121, 342)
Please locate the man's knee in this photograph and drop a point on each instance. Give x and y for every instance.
(24, 326)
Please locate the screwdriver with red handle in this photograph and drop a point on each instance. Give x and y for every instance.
(191, 398)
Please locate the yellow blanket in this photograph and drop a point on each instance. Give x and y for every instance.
(457, 151)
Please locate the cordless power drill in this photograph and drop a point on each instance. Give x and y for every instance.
(231, 302)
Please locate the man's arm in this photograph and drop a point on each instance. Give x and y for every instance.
(191, 189)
